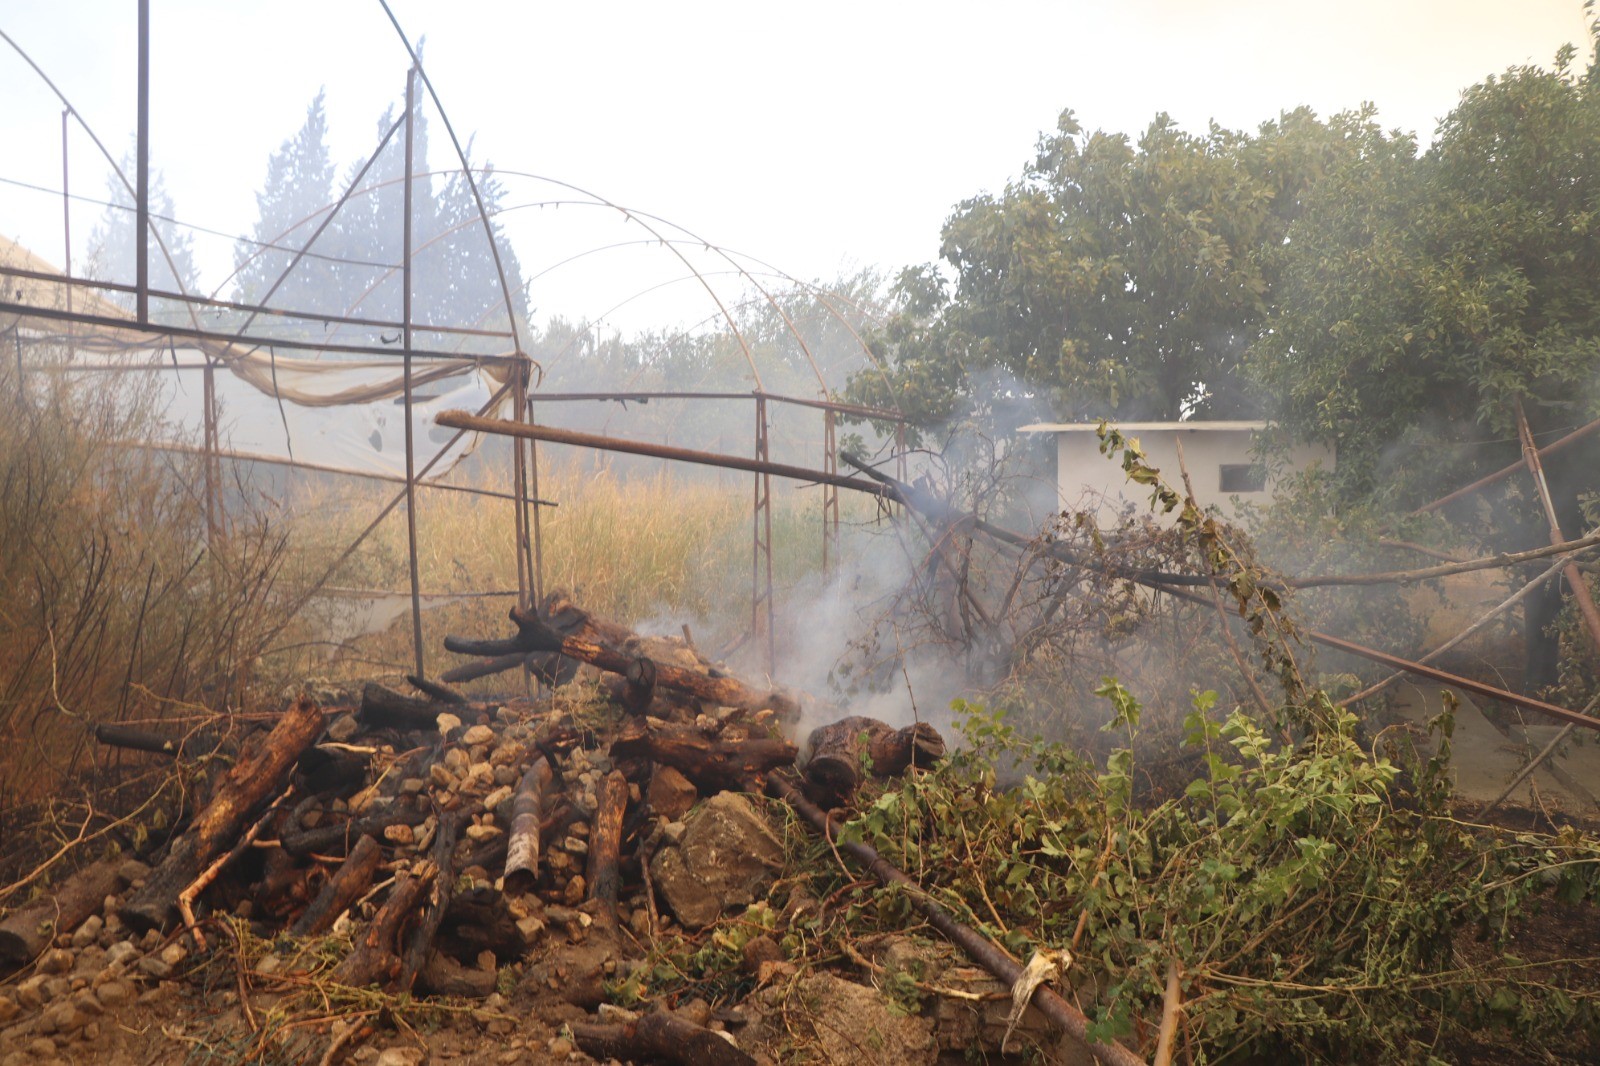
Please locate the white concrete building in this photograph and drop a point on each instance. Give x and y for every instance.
(1219, 455)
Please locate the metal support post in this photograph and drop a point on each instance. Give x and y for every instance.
(211, 440)
(66, 226)
(761, 541)
(141, 242)
(534, 503)
(830, 494)
(405, 323)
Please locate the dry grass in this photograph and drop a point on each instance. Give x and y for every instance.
(113, 605)
(652, 551)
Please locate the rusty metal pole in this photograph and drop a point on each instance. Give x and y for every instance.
(1574, 576)
(212, 442)
(405, 328)
(66, 225)
(830, 494)
(519, 516)
(142, 181)
(761, 540)
(535, 502)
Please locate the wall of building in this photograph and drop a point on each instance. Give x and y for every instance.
(1088, 479)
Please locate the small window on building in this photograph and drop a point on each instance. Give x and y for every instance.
(1243, 477)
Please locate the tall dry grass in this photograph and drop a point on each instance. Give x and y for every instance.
(113, 605)
(654, 551)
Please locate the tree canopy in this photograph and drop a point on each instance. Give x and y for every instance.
(1420, 295)
(1114, 278)
(353, 267)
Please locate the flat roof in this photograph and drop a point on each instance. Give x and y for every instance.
(1142, 427)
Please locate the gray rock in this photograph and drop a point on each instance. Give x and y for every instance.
(31, 994)
(726, 857)
(342, 728)
(154, 966)
(62, 1018)
(111, 993)
(56, 960)
(121, 951)
(88, 932)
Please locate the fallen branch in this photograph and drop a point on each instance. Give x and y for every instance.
(1060, 1013)
(605, 845)
(343, 888)
(250, 780)
(28, 931)
(373, 959)
(713, 764)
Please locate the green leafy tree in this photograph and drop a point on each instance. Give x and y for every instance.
(1421, 296)
(1113, 278)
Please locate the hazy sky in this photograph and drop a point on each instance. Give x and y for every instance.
(820, 137)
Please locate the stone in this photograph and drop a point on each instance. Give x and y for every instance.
(671, 794)
(530, 928)
(725, 858)
(446, 723)
(403, 835)
(62, 1018)
(54, 961)
(411, 786)
(174, 953)
(479, 833)
(342, 728)
(457, 760)
(121, 951)
(760, 949)
(497, 797)
(8, 1009)
(41, 1047)
(478, 734)
(559, 1047)
(155, 966)
(31, 993)
(441, 776)
(111, 993)
(132, 871)
(89, 932)
(401, 1056)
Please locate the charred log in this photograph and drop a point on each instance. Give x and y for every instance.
(30, 930)
(343, 888)
(843, 753)
(712, 763)
(522, 845)
(605, 845)
(242, 789)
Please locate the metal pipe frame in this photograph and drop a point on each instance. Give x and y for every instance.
(405, 319)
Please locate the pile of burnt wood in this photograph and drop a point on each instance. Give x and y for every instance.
(446, 835)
